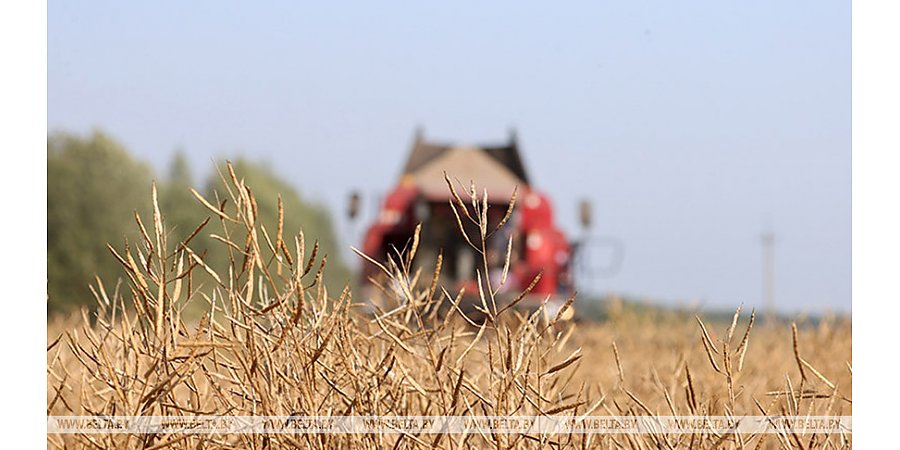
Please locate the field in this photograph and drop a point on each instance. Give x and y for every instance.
(275, 342)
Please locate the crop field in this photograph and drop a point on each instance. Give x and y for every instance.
(273, 341)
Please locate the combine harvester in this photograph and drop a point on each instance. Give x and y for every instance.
(423, 197)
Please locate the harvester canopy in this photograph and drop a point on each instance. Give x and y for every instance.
(498, 169)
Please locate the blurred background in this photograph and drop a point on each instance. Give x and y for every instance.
(711, 138)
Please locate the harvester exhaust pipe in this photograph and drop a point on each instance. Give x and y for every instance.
(353, 204)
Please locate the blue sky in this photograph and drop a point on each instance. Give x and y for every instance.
(688, 124)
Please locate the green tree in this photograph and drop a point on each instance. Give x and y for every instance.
(93, 188)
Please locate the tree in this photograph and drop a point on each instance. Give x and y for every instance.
(94, 187)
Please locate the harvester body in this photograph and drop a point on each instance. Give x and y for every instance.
(422, 196)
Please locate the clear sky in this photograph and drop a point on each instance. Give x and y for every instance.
(690, 125)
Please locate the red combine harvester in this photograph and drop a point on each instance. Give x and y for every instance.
(422, 196)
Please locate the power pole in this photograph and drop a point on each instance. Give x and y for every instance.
(768, 248)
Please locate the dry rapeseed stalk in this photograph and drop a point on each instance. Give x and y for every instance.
(274, 342)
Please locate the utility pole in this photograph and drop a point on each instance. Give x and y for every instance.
(768, 278)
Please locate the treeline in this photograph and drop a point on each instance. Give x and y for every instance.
(95, 187)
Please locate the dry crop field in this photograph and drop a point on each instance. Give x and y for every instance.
(275, 342)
